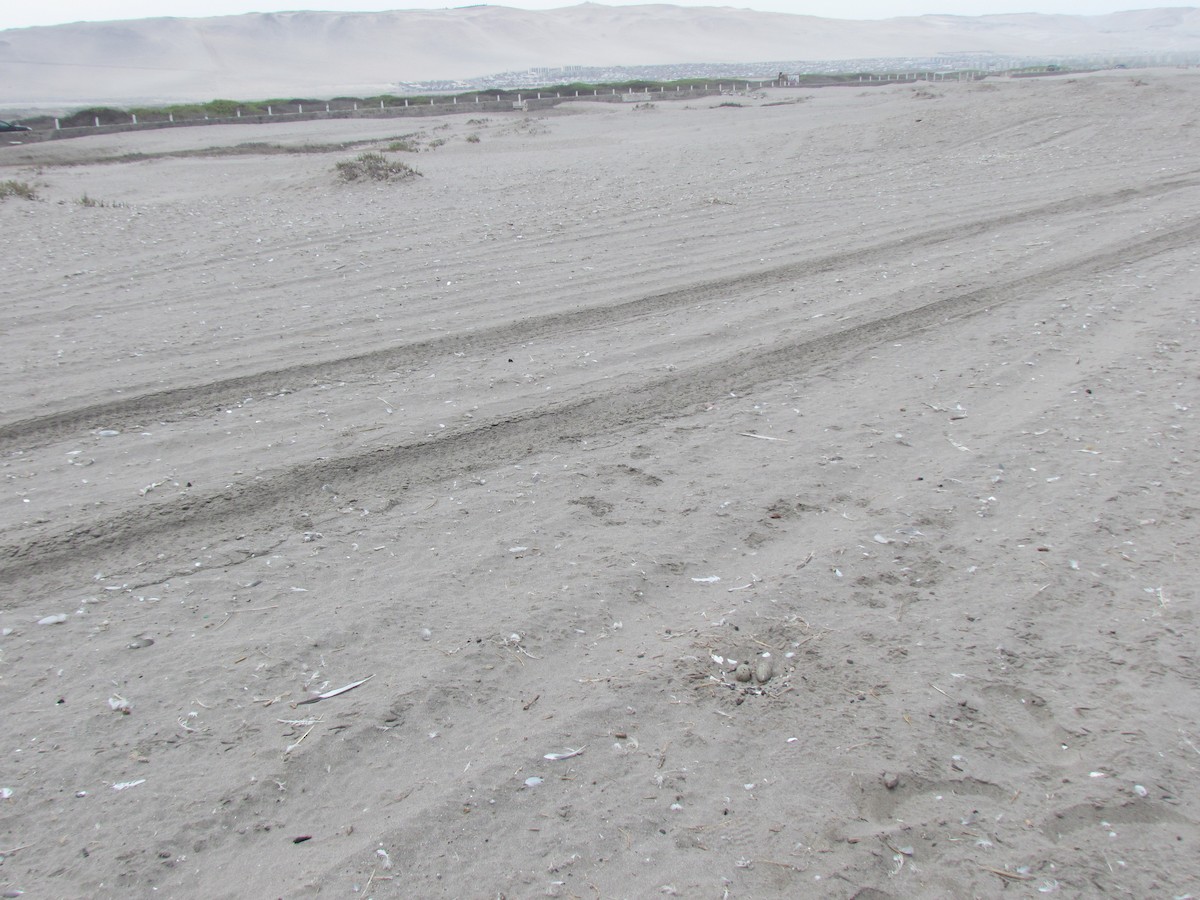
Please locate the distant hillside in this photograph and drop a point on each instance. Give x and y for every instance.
(325, 54)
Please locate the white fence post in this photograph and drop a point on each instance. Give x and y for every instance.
(270, 112)
(97, 118)
(56, 125)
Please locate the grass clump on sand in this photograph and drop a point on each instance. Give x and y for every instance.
(93, 203)
(374, 167)
(17, 189)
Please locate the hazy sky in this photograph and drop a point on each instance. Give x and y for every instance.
(55, 12)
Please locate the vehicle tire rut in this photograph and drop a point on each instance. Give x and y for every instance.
(295, 493)
(180, 403)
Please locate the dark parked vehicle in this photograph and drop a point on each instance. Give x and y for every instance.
(13, 126)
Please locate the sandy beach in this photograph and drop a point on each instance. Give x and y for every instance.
(789, 494)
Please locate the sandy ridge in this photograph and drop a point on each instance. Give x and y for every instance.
(327, 54)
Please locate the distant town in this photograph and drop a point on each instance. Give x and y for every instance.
(948, 64)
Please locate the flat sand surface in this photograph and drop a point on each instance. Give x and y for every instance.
(888, 395)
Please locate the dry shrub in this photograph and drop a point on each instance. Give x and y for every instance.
(374, 167)
(17, 189)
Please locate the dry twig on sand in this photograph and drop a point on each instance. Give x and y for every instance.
(333, 693)
(1010, 876)
(229, 615)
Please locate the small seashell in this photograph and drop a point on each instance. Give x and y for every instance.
(533, 781)
(53, 620)
(139, 642)
(743, 672)
(764, 668)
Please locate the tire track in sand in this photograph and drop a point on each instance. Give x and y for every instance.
(264, 505)
(175, 404)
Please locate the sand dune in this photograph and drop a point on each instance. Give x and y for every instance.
(893, 392)
(325, 54)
